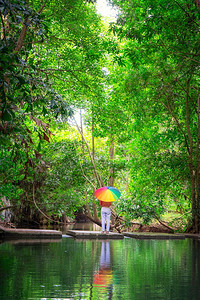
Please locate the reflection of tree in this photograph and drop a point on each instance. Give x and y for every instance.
(103, 278)
(195, 268)
(52, 265)
(120, 269)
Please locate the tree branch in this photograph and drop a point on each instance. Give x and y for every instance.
(170, 228)
(82, 167)
(178, 124)
(43, 6)
(4, 30)
(21, 37)
(6, 207)
(89, 152)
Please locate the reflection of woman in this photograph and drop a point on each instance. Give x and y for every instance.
(105, 255)
(104, 276)
(105, 215)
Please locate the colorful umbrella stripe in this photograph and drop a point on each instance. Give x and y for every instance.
(107, 194)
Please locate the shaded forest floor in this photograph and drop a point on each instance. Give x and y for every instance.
(171, 222)
(154, 227)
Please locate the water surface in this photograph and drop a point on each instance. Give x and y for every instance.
(115, 269)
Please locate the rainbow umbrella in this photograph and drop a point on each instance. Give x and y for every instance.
(107, 194)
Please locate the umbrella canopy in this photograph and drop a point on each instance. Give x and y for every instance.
(107, 194)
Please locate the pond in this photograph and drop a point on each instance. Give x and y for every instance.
(94, 269)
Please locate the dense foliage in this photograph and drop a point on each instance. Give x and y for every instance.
(161, 51)
(49, 55)
(136, 86)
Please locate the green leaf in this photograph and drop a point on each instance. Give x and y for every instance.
(8, 115)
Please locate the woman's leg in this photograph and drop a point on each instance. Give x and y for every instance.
(108, 214)
(103, 218)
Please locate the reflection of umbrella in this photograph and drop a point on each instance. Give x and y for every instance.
(103, 278)
(107, 194)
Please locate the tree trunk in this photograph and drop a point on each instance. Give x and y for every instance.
(193, 164)
(111, 180)
(81, 130)
(197, 164)
(96, 218)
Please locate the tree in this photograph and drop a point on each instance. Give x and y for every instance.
(162, 45)
(49, 55)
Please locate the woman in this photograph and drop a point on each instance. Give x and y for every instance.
(105, 215)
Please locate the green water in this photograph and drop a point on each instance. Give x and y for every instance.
(119, 269)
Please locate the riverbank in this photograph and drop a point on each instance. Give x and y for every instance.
(17, 233)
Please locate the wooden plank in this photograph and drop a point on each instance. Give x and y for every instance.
(25, 241)
(195, 236)
(152, 235)
(82, 234)
(18, 233)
